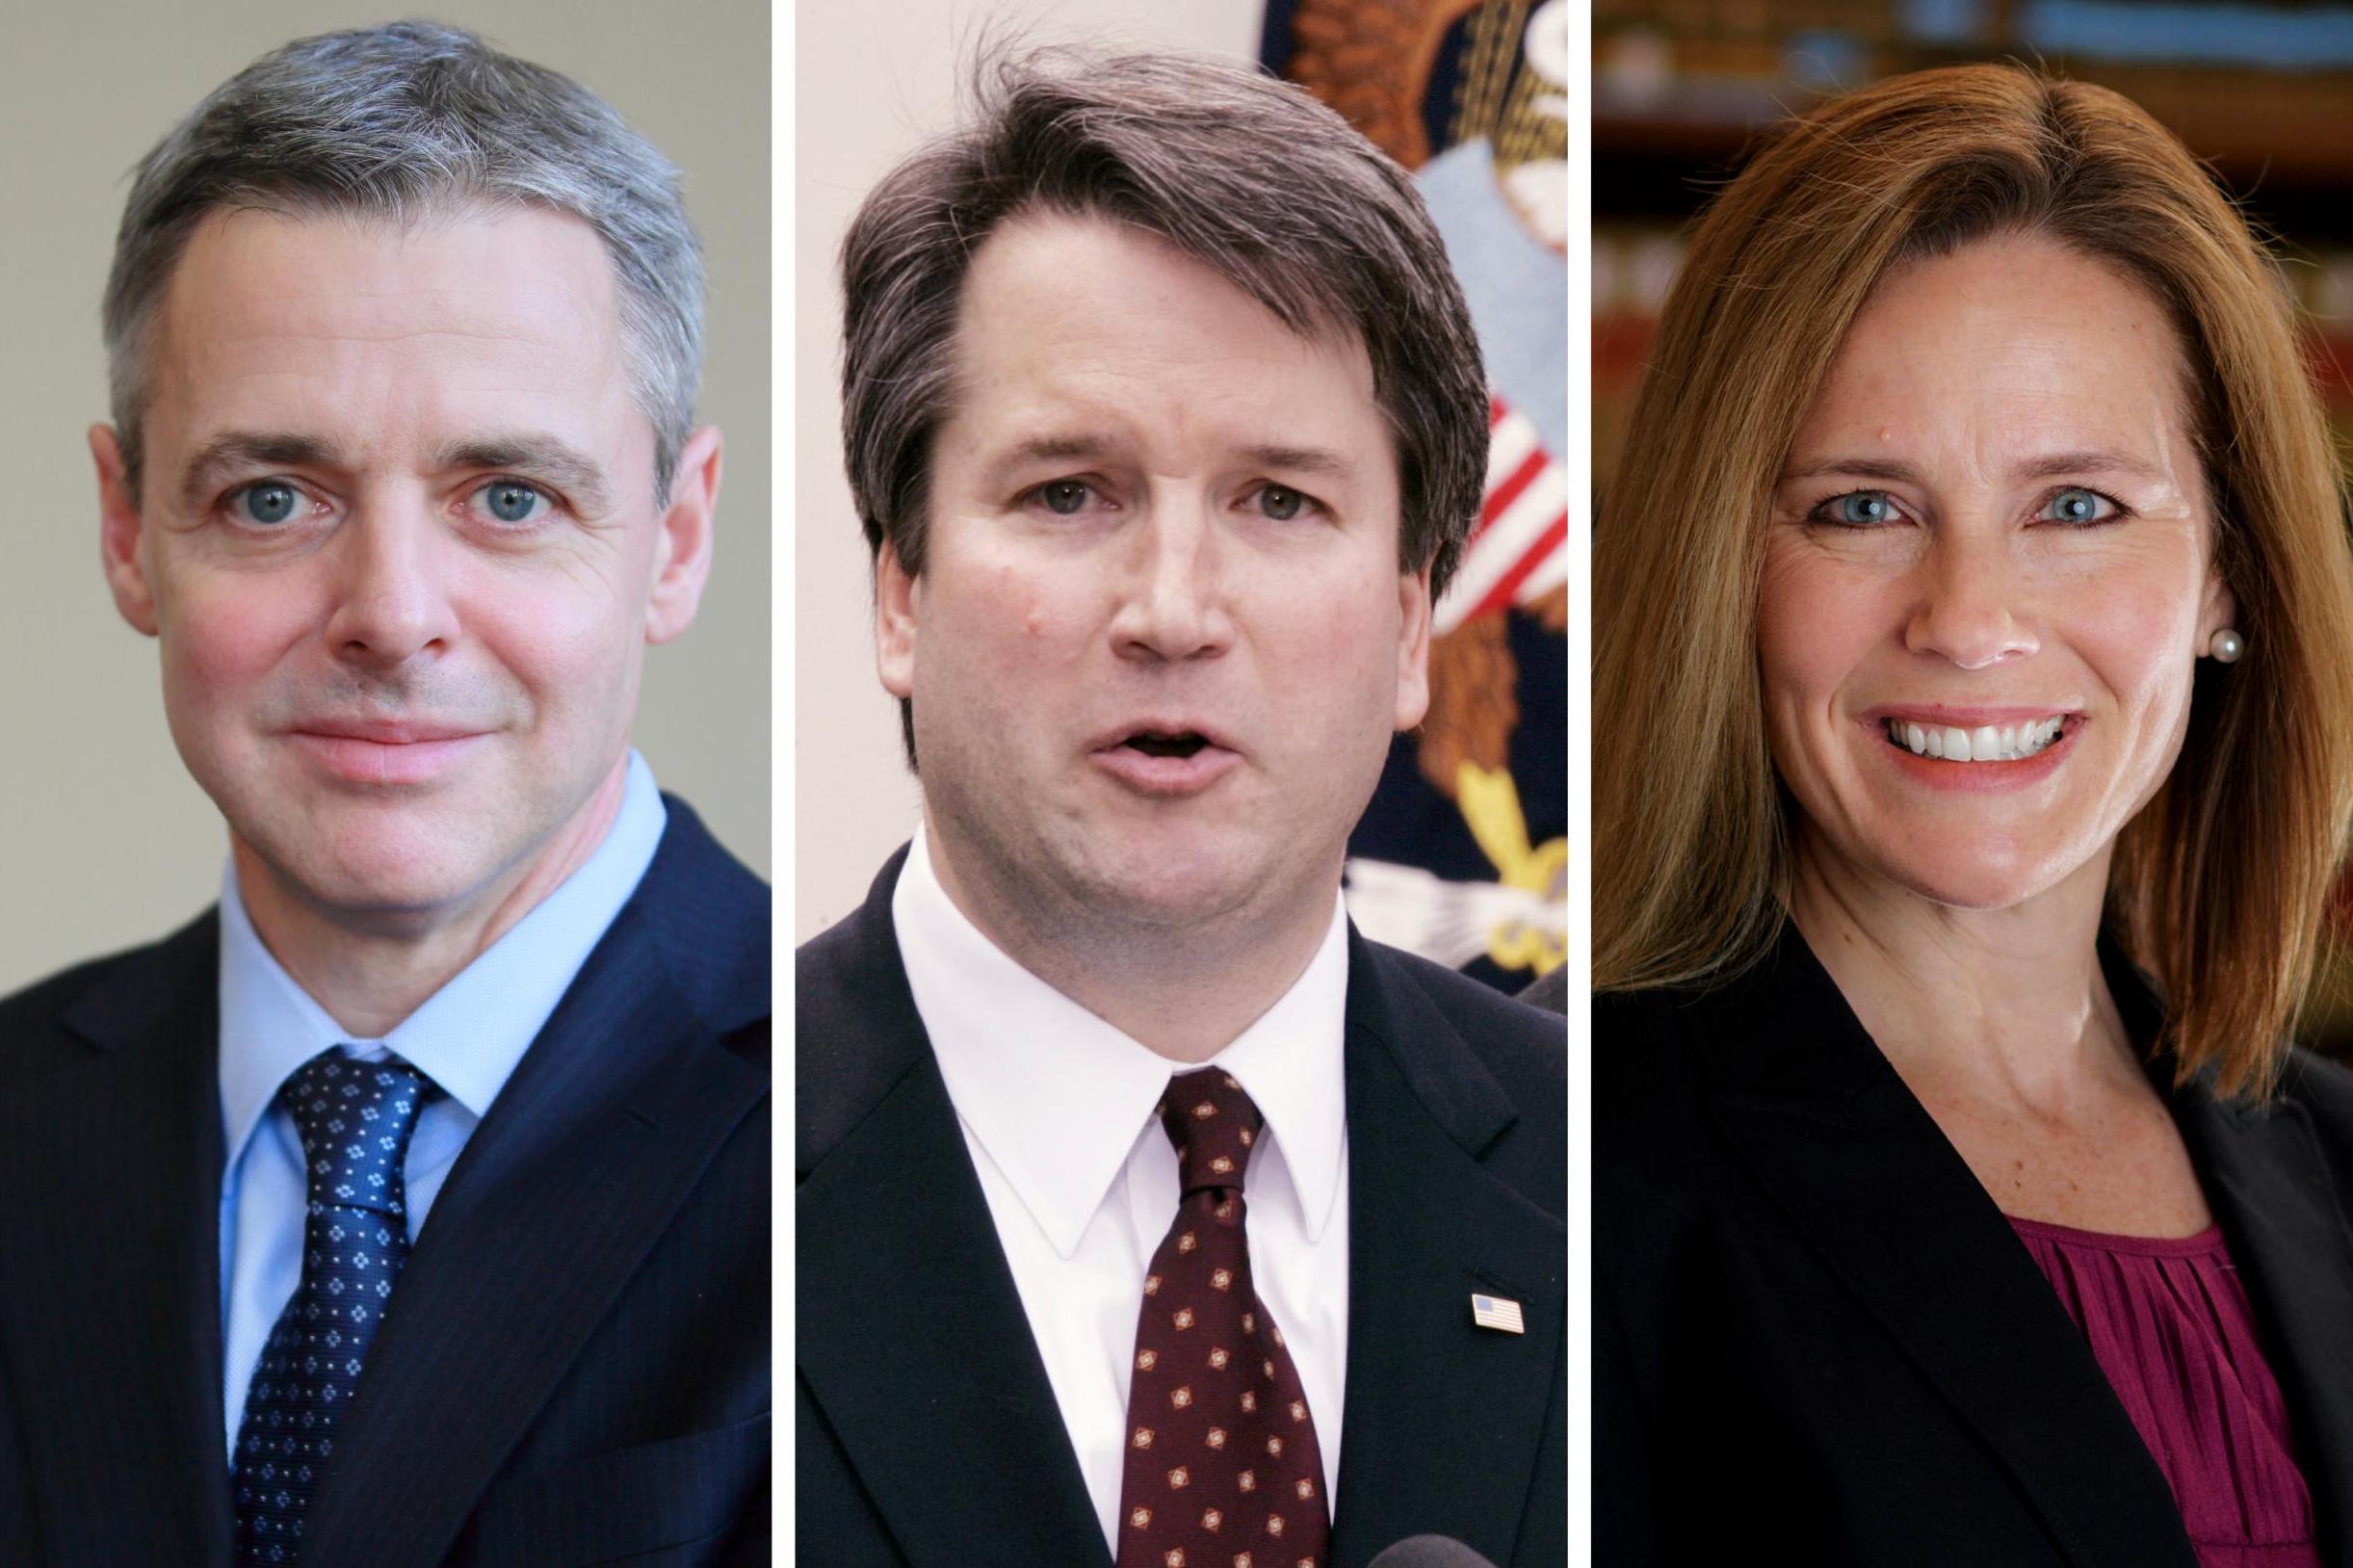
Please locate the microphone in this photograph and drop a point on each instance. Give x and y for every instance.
(1429, 1552)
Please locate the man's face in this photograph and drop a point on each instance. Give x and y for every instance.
(397, 539)
(1161, 639)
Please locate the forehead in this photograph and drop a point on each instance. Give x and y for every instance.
(1075, 320)
(2016, 343)
(365, 321)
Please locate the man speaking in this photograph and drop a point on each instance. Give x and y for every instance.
(411, 1206)
(1146, 1214)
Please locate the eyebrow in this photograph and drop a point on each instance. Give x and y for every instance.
(2048, 465)
(1078, 448)
(565, 466)
(249, 448)
(544, 457)
(1302, 460)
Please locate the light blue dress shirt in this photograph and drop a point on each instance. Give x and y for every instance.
(467, 1037)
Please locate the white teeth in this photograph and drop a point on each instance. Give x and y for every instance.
(1986, 742)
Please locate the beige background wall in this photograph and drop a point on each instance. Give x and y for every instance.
(872, 81)
(104, 842)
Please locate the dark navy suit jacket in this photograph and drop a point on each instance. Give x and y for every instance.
(1816, 1334)
(926, 1432)
(575, 1367)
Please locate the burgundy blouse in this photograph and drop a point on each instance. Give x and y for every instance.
(2168, 1321)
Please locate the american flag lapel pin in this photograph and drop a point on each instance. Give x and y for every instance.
(1498, 1313)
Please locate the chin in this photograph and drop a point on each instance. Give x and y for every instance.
(381, 868)
(1169, 881)
(1962, 880)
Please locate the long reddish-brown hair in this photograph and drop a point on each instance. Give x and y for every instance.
(2217, 887)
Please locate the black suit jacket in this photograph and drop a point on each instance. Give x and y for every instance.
(926, 1431)
(574, 1368)
(1813, 1324)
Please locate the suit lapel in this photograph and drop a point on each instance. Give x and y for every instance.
(909, 1333)
(117, 1379)
(2272, 1192)
(577, 1171)
(1444, 1420)
(1862, 1170)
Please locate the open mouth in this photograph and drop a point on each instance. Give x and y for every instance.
(1167, 744)
(1982, 743)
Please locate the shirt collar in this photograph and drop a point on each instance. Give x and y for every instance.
(468, 1037)
(1058, 1097)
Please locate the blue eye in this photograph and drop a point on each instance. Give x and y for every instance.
(1064, 497)
(1280, 504)
(510, 502)
(2074, 504)
(270, 501)
(1862, 508)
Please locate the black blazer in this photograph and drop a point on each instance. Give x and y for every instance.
(1812, 1325)
(574, 1368)
(926, 1432)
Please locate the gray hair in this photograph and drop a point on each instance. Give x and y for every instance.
(1249, 175)
(404, 121)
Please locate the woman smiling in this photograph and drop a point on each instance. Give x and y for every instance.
(1959, 856)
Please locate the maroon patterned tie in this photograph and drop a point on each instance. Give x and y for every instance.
(1222, 1469)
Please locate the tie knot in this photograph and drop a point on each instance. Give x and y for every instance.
(355, 1119)
(1214, 1125)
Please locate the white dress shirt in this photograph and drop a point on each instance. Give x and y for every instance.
(468, 1038)
(1057, 1107)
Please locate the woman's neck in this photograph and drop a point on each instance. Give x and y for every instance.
(1994, 1007)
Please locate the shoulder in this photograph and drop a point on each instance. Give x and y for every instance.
(711, 917)
(137, 981)
(1523, 1046)
(851, 969)
(1653, 1052)
(856, 1033)
(2321, 1092)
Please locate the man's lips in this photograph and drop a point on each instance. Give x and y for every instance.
(1175, 756)
(371, 751)
(385, 731)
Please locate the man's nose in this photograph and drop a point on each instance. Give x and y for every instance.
(1972, 609)
(391, 584)
(1175, 606)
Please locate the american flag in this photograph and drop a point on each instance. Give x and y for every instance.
(1519, 551)
(1494, 1311)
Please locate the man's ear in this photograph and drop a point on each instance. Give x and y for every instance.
(682, 549)
(1413, 647)
(120, 542)
(897, 596)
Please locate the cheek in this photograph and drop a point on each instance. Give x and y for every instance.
(220, 632)
(2139, 647)
(557, 643)
(1004, 617)
(1815, 624)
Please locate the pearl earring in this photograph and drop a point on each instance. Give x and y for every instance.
(2225, 646)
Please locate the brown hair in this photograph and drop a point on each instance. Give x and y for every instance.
(2217, 887)
(1249, 175)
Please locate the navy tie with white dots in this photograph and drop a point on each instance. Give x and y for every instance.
(355, 1119)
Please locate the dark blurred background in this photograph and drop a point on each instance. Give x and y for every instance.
(2262, 92)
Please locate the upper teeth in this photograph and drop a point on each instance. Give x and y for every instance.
(1987, 742)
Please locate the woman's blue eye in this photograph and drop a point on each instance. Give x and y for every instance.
(269, 502)
(509, 502)
(2079, 505)
(1064, 497)
(1280, 504)
(1863, 507)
